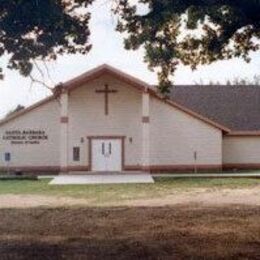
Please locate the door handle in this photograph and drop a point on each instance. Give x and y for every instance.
(103, 148)
(110, 148)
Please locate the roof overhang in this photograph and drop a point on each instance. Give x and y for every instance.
(190, 112)
(243, 133)
(139, 84)
(101, 70)
(26, 110)
(132, 81)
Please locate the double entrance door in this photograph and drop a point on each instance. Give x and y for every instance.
(106, 155)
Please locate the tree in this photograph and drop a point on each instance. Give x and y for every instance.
(190, 32)
(32, 30)
(245, 81)
(13, 111)
(172, 32)
(237, 81)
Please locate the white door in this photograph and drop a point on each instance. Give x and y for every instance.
(106, 155)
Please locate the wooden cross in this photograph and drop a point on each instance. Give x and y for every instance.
(106, 91)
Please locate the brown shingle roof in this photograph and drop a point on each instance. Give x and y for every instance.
(236, 107)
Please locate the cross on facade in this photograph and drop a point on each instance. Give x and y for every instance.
(106, 91)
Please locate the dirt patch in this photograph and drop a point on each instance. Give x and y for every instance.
(200, 196)
(170, 232)
(195, 224)
(206, 197)
(30, 201)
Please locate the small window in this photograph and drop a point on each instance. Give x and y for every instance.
(76, 154)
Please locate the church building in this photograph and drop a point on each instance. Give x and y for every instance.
(108, 121)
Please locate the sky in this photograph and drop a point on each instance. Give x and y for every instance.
(108, 48)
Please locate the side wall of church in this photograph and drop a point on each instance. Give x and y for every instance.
(241, 152)
(32, 139)
(180, 141)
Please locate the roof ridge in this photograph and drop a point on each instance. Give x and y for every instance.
(138, 84)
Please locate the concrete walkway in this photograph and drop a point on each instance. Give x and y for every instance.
(102, 179)
(209, 175)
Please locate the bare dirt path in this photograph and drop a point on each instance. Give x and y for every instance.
(200, 196)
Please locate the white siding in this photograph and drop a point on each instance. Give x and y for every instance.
(45, 118)
(175, 136)
(241, 150)
(87, 118)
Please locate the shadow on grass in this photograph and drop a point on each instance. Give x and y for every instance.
(130, 233)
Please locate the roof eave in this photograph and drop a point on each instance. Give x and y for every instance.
(190, 112)
(26, 110)
(99, 71)
(243, 133)
(138, 84)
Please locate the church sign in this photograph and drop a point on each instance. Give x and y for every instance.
(25, 136)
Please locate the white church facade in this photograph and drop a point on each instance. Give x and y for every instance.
(108, 121)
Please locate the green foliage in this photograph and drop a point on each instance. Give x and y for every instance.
(172, 32)
(190, 32)
(37, 29)
(237, 81)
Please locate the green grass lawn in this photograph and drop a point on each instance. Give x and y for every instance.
(104, 193)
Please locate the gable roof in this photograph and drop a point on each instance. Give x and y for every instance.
(26, 110)
(236, 107)
(177, 97)
(99, 71)
(134, 82)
